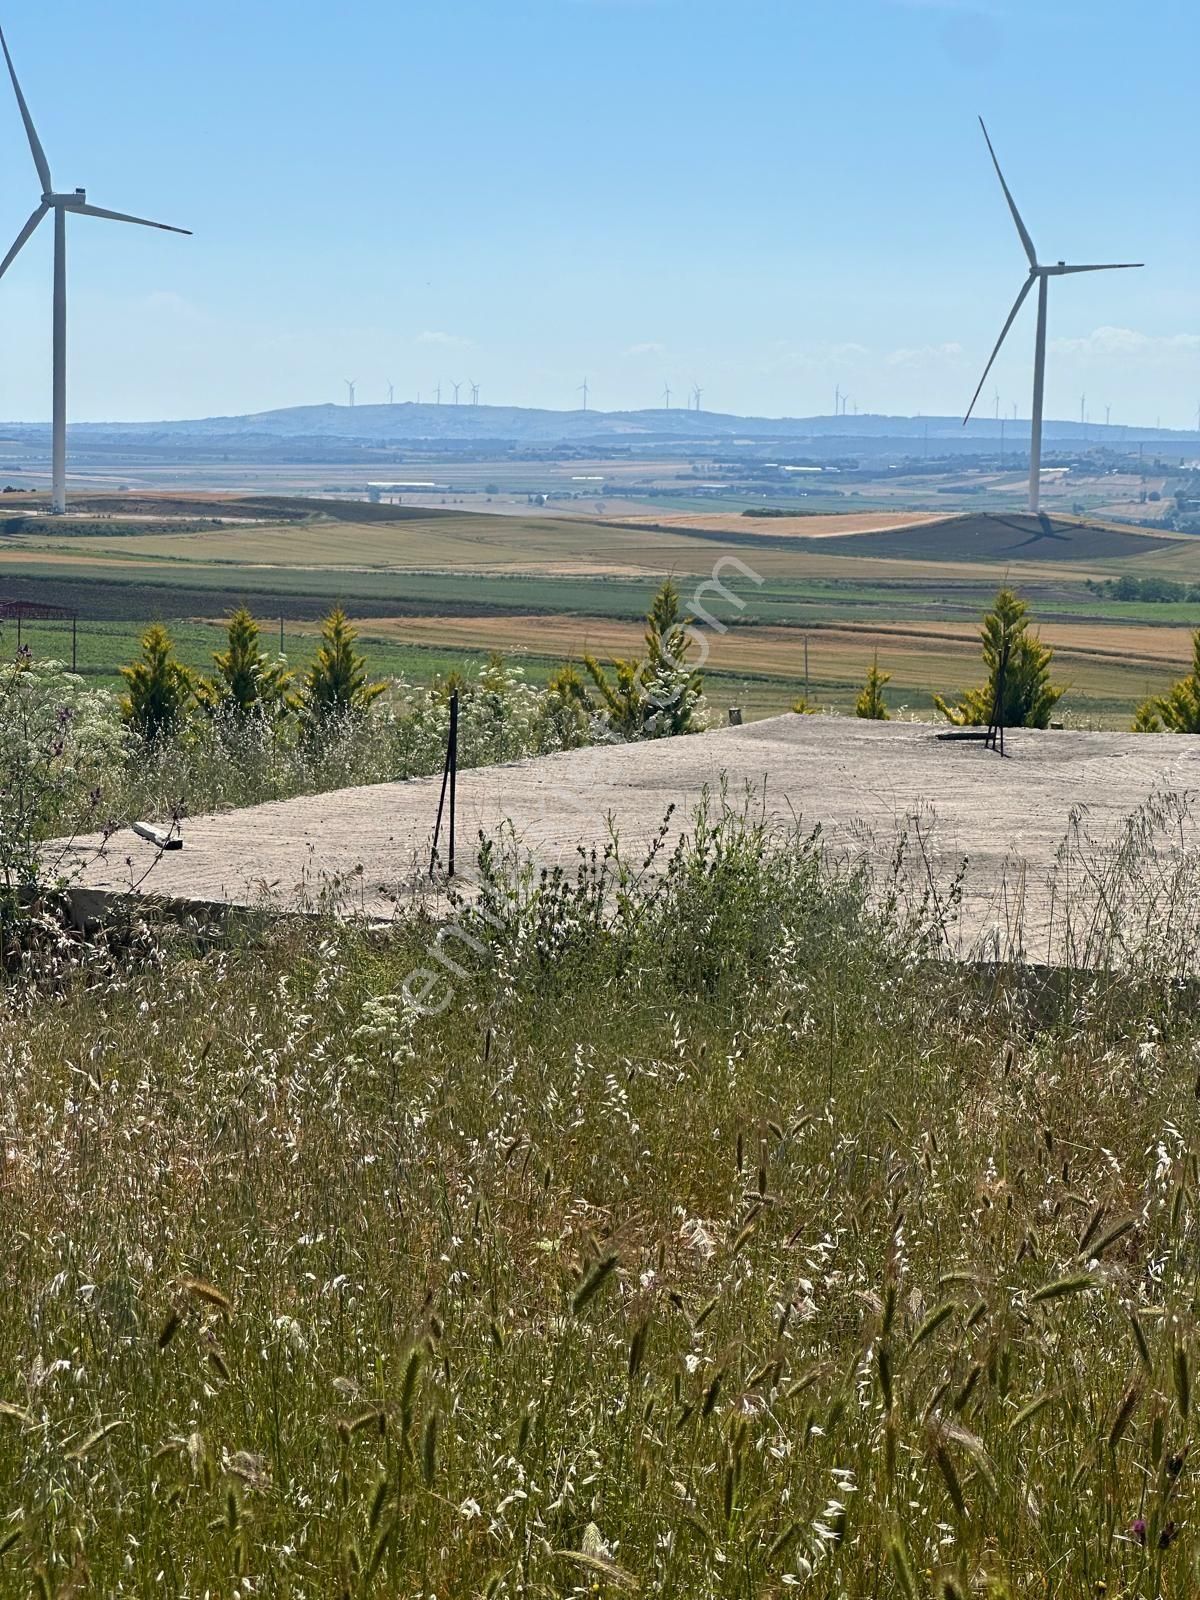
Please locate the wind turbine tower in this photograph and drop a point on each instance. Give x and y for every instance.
(76, 202)
(456, 387)
(697, 391)
(1040, 275)
(349, 382)
(474, 394)
(583, 390)
(391, 393)
(667, 395)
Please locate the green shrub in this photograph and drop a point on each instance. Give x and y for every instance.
(1028, 695)
(1177, 711)
(247, 679)
(336, 683)
(659, 695)
(59, 742)
(870, 703)
(160, 688)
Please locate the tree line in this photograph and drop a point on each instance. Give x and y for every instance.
(656, 694)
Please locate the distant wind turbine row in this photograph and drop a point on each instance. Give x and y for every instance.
(76, 203)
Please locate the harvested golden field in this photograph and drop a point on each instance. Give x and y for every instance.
(544, 546)
(454, 543)
(1104, 666)
(823, 526)
(551, 586)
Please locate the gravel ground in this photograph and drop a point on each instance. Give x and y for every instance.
(865, 783)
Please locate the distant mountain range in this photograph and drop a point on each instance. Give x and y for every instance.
(375, 427)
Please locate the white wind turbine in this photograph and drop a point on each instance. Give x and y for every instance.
(1041, 276)
(60, 204)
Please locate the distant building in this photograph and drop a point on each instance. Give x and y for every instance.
(377, 492)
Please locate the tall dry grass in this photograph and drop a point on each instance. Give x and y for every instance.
(722, 1242)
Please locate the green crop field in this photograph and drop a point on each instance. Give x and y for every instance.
(437, 589)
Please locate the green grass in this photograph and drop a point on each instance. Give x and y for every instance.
(104, 647)
(210, 591)
(722, 1245)
(807, 584)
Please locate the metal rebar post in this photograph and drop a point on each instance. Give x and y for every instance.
(449, 781)
(453, 775)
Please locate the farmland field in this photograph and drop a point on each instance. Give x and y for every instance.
(438, 589)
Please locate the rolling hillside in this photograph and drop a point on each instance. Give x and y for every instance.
(994, 538)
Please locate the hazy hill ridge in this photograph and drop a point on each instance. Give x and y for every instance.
(407, 421)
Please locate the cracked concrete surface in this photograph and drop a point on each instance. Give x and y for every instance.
(863, 782)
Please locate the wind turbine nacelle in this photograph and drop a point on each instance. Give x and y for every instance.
(77, 197)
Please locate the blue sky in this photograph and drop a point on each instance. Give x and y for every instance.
(767, 197)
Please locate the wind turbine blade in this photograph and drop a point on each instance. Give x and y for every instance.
(1105, 266)
(1012, 204)
(1012, 317)
(35, 144)
(23, 238)
(121, 216)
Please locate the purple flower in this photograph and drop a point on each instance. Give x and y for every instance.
(1138, 1530)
